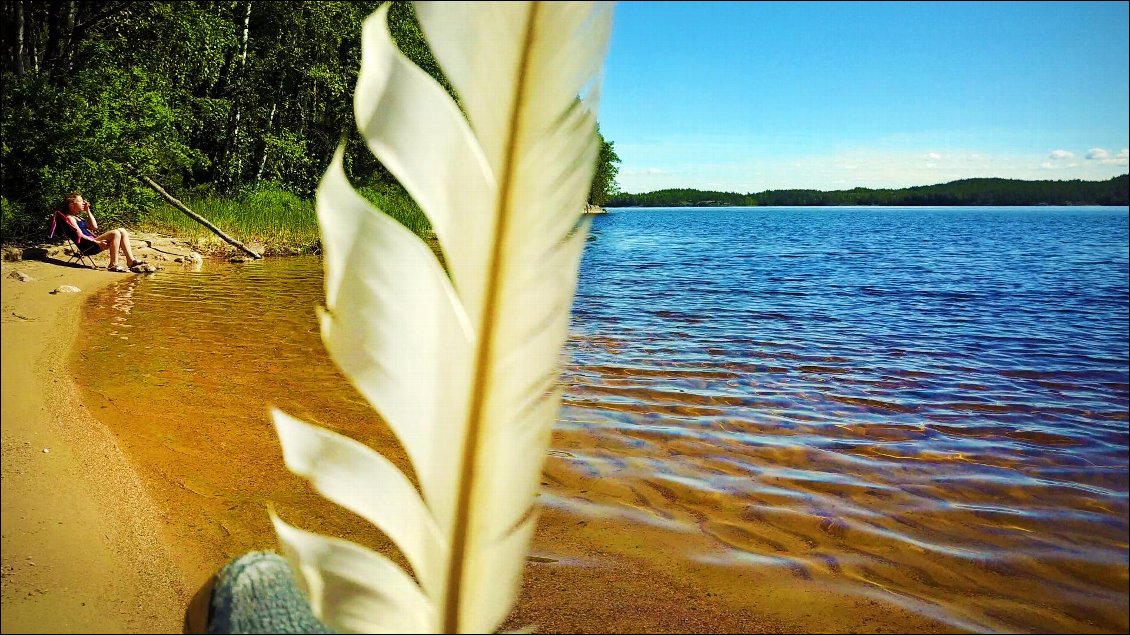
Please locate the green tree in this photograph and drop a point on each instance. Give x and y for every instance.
(208, 97)
(604, 185)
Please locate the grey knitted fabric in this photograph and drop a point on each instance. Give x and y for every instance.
(256, 593)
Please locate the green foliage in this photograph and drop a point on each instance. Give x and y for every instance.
(11, 217)
(266, 214)
(1115, 191)
(681, 197)
(270, 215)
(192, 99)
(394, 201)
(604, 180)
(409, 38)
(290, 161)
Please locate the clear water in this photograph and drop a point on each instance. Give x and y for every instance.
(922, 407)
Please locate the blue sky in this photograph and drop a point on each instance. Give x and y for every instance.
(746, 97)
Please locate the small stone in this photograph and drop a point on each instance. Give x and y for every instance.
(21, 276)
(46, 450)
(66, 288)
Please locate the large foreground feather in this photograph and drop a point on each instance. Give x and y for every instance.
(463, 368)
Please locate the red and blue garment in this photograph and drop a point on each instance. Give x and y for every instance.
(75, 229)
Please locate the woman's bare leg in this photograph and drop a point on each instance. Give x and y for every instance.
(112, 244)
(111, 241)
(124, 237)
(117, 240)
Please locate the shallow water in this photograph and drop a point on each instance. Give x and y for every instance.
(923, 408)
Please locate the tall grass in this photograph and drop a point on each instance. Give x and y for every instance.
(394, 201)
(271, 219)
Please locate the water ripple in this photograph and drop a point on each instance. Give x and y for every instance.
(923, 407)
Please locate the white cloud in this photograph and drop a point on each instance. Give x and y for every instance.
(1057, 165)
(1102, 157)
(1060, 155)
(933, 156)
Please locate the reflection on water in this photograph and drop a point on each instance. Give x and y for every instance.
(927, 408)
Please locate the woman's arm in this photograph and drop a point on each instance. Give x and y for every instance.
(90, 215)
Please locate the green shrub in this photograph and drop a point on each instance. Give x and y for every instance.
(13, 220)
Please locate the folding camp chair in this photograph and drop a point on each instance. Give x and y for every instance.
(84, 248)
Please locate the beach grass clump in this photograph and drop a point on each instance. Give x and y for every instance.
(394, 201)
(271, 219)
(268, 218)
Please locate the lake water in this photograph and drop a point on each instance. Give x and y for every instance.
(922, 408)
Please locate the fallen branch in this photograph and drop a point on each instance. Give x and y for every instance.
(191, 214)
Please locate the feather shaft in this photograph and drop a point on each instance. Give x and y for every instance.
(484, 353)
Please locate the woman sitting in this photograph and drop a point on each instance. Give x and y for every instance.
(116, 240)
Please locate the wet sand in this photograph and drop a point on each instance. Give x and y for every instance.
(80, 547)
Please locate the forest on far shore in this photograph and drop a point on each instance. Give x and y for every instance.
(1115, 191)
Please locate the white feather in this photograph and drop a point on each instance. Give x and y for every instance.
(463, 369)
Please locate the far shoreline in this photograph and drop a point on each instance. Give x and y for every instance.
(901, 207)
(964, 192)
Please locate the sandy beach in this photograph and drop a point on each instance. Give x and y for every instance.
(80, 548)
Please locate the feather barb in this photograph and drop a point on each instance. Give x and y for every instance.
(462, 367)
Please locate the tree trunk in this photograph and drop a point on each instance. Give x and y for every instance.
(20, 46)
(35, 54)
(57, 13)
(67, 52)
(244, 37)
(228, 174)
(234, 117)
(221, 84)
(52, 43)
(191, 214)
(263, 153)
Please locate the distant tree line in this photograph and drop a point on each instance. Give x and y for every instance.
(1115, 191)
(212, 97)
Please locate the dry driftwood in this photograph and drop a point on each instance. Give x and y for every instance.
(193, 215)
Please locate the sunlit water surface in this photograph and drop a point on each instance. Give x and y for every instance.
(924, 406)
